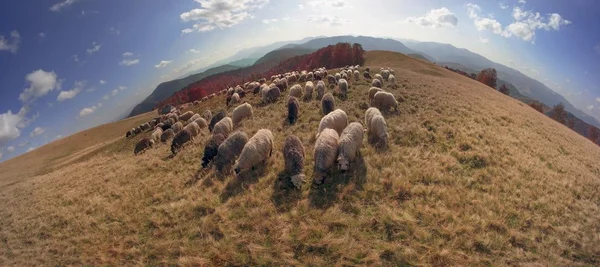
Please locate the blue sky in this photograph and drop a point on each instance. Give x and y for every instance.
(67, 65)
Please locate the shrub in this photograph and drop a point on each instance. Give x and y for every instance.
(488, 77)
(558, 113)
(593, 133)
(537, 106)
(503, 89)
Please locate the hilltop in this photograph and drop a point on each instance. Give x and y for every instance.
(473, 177)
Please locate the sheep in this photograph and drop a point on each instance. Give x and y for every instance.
(258, 149)
(201, 123)
(320, 89)
(142, 145)
(327, 103)
(310, 76)
(293, 109)
(384, 101)
(166, 135)
(223, 127)
(392, 79)
(367, 75)
(177, 127)
(392, 72)
(156, 135)
(296, 91)
(337, 76)
(230, 149)
(379, 77)
(165, 126)
(230, 91)
(273, 94)
(211, 149)
(369, 114)
(145, 127)
(356, 75)
(308, 90)
(337, 120)
(193, 118)
(349, 144)
(368, 70)
(376, 83)
(385, 74)
(324, 154)
(180, 139)
(343, 85)
(377, 131)
(128, 134)
(372, 92)
(193, 128)
(186, 116)
(240, 113)
(293, 156)
(235, 98)
(219, 116)
(331, 79)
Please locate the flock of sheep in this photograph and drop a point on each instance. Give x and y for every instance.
(337, 140)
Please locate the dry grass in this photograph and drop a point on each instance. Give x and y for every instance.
(472, 177)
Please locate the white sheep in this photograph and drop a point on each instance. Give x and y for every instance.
(235, 98)
(193, 118)
(356, 75)
(343, 85)
(372, 92)
(293, 156)
(369, 114)
(177, 127)
(337, 76)
(207, 115)
(377, 132)
(385, 74)
(193, 128)
(337, 120)
(224, 127)
(349, 144)
(257, 150)
(379, 77)
(240, 113)
(320, 89)
(377, 83)
(384, 101)
(392, 79)
(324, 155)
(296, 91)
(308, 90)
(186, 116)
(201, 123)
(156, 135)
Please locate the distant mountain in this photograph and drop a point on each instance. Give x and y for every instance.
(527, 86)
(167, 89)
(279, 55)
(419, 56)
(244, 62)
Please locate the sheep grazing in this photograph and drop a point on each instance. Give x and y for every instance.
(193, 128)
(343, 85)
(367, 75)
(219, 116)
(142, 145)
(223, 127)
(368, 70)
(376, 83)
(201, 123)
(258, 149)
(331, 79)
(377, 132)
(372, 92)
(385, 74)
(392, 79)
(166, 135)
(293, 156)
(165, 126)
(145, 127)
(179, 140)
(349, 145)
(193, 118)
(325, 152)
(273, 94)
(230, 149)
(337, 76)
(156, 135)
(392, 72)
(240, 113)
(308, 90)
(337, 120)
(356, 75)
(384, 101)
(293, 109)
(320, 89)
(327, 103)
(177, 127)
(128, 134)
(369, 114)
(379, 77)
(296, 91)
(186, 116)
(211, 149)
(235, 98)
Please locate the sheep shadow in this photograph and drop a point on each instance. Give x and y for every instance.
(326, 195)
(239, 183)
(285, 194)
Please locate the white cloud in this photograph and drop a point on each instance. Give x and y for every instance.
(598, 99)
(112, 30)
(300, 7)
(521, 1)
(163, 64)
(42, 34)
(37, 131)
(267, 21)
(102, 82)
(194, 51)
(99, 105)
(273, 29)
(129, 62)
(40, 83)
(127, 54)
(114, 92)
(332, 21)
(106, 97)
(122, 87)
(59, 6)
(590, 107)
(10, 149)
(64, 95)
(339, 4)
(58, 137)
(30, 149)
(484, 40)
(220, 14)
(503, 6)
(95, 48)
(187, 65)
(87, 111)
(186, 31)
(436, 18)
(9, 129)
(10, 43)
(75, 58)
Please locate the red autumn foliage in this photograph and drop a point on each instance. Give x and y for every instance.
(330, 57)
(488, 77)
(593, 134)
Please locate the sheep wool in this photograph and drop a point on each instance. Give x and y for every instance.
(343, 85)
(240, 113)
(320, 89)
(201, 123)
(211, 149)
(377, 132)
(219, 116)
(392, 79)
(293, 109)
(325, 153)
(142, 145)
(337, 120)
(177, 127)
(308, 90)
(273, 94)
(384, 101)
(235, 98)
(193, 128)
(186, 116)
(166, 135)
(193, 118)
(349, 144)
(257, 150)
(327, 103)
(296, 91)
(179, 140)
(372, 92)
(293, 156)
(224, 127)
(230, 149)
(156, 135)
(379, 77)
(376, 83)
(369, 114)
(356, 75)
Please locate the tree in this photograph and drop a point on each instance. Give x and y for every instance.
(488, 77)
(593, 133)
(503, 89)
(559, 114)
(537, 106)
(571, 123)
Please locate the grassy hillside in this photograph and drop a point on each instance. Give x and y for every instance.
(472, 178)
(279, 55)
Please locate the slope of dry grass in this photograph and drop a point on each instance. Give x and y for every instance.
(472, 177)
